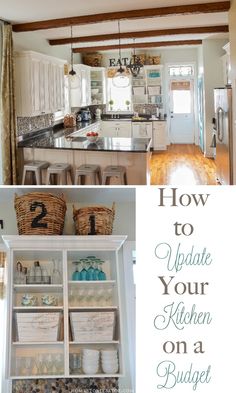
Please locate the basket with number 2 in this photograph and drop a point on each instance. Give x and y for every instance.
(40, 213)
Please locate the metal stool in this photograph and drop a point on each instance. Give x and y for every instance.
(93, 171)
(60, 173)
(34, 168)
(114, 171)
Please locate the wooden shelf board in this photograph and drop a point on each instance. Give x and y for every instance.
(93, 343)
(28, 343)
(94, 308)
(106, 282)
(37, 308)
(37, 288)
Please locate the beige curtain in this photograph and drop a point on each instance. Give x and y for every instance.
(7, 109)
(2, 274)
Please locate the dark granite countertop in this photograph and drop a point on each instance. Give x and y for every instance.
(62, 139)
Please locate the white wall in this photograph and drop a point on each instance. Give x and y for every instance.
(232, 35)
(31, 41)
(213, 77)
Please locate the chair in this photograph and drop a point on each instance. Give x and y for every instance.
(87, 170)
(58, 174)
(34, 169)
(114, 171)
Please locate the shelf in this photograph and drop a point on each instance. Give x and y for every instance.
(37, 287)
(95, 342)
(30, 343)
(37, 308)
(36, 376)
(106, 282)
(95, 375)
(45, 376)
(106, 308)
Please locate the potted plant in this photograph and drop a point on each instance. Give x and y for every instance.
(127, 103)
(111, 103)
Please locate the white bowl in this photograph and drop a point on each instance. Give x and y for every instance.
(90, 352)
(109, 352)
(110, 370)
(110, 364)
(90, 370)
(92, 139)
(94, 91)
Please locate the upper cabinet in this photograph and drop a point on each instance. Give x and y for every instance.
(98, 86)
(227, 65)
(39, 84)
(80, 86)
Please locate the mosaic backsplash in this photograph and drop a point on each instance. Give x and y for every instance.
(72, 385)
(150, 109)
(29, 124)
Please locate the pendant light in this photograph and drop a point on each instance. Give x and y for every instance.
(72, 71)
(135, 64)
(121, 78)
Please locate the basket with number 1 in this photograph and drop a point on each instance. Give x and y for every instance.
(40, 213)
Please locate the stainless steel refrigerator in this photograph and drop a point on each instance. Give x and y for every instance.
(224, 143)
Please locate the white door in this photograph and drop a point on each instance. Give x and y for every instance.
(181, 111)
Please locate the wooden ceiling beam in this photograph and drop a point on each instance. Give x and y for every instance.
(221, 6)
(137, 45)
(141, 34)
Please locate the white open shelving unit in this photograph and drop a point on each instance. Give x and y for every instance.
(65, 249)
(147, 87)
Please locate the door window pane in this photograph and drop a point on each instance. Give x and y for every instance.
(181, 101)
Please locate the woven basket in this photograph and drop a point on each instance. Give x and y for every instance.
(40, 213)
(93, 59)
(94, 220)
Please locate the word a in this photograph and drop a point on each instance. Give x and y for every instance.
(172, 377)
(176, 262)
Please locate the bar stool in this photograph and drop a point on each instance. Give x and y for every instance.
(114, 171)
(60, 173)
(34, 168)
(92, 171)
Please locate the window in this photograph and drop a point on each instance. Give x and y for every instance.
(183, 70)
(119, 96)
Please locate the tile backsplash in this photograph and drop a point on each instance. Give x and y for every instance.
(29, 124)
(72, 385)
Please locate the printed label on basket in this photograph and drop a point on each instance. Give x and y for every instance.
(185, 289)
(37, 326)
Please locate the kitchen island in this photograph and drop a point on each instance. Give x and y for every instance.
(67, 146)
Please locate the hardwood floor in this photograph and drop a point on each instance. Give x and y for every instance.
(182, 165)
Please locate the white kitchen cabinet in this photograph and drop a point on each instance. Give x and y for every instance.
(159, 135)
(50, 357)
(39, 83)
(80, 88)
(98, 85)
(118, 129)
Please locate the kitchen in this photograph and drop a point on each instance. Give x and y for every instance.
(100, 101)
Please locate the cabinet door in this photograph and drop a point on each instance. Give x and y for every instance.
(83, 87)
(124, 129)
(88, 86)
(108, 128)
(45, 87)
(36, 87)
(76, 88)
(159, 135)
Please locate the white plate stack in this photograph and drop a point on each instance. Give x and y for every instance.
(110, 362)
(90, 361)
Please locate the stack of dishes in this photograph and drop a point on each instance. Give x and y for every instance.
(90, 361)
(109, 361)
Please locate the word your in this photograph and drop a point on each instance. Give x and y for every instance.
(172, 377)
(183, 199)
(163, 251)
(181, 288)
(177, 315)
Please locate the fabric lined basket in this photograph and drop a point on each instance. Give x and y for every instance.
(40, 213)
(94, 220)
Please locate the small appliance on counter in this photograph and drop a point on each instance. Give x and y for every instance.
(85, 114)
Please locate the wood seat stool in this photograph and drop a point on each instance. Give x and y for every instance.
(114, 171)
(34, 169)
(59, 174)
(87, 170)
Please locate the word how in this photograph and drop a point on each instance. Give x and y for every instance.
(177, 315)
(172, 377)
(181, 288)
(176, 261)
(183, 199)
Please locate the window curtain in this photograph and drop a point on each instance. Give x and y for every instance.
(2, 274)
(8, 154)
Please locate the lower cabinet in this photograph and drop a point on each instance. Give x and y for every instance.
(159, 130)
(122, 129)
(65, 314)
